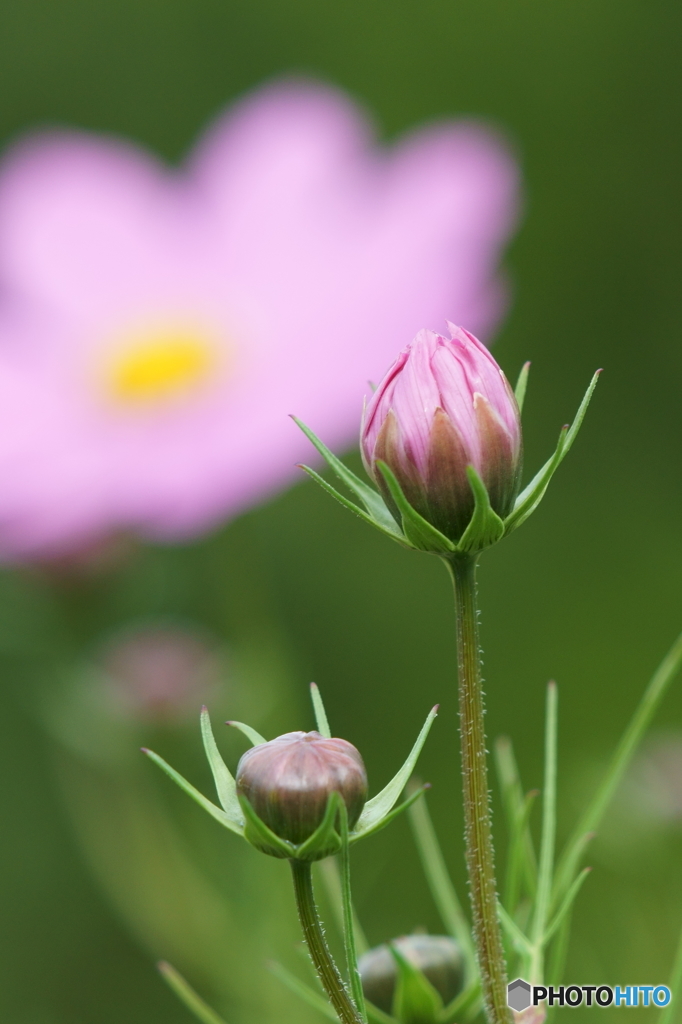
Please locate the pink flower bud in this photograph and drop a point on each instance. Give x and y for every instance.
(444, 405)
(289, 780)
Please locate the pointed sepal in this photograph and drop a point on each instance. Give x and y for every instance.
(416, 1001)
(225, 785)
(531, 496)
(215, 812)
(381, 804)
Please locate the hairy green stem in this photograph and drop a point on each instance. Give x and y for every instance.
(477, 828)
(327, 971)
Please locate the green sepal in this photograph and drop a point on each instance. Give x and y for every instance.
(380, 805)
(325, 840)
(262, 837)
(320, 714)
(416, 1001)
(388, 818)
(531, 496)
(225, 785)
(371, 499)
(393, 531)
(521, 385)
(215, 812)
(485, 526)
(420, 533)
(254, 738)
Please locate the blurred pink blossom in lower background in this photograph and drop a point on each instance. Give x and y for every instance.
(158, 325)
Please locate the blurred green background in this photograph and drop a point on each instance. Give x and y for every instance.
(590, 93)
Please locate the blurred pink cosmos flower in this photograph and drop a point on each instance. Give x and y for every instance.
(157, 326)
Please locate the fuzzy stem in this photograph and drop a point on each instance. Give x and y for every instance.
(313, 933)
(477, 828)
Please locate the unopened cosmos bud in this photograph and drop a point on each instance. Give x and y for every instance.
(438, 957)
(289, 780)
(444, 405)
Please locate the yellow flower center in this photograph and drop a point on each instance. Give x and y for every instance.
(161, 365)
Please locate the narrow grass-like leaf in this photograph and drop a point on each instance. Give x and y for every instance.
(348, 917)
(415, 997)
(254, 738)
(325, 835)
(566, 905)
(520, 940)
(532, 495)
(331, 879)
(417, 530)
(521, 860)
(376, 808)
(258, 833)
(439, 882)
(215, 812)
(370, 498)
(186, 994)
(521, 385)
(546, 862)
(320, 714)
(224, 782)
(388, 818)
(639, 723)
(391, 529)
(675, 986)
(485, 526)
(307, 994)
(464, 1007)
(543, 894)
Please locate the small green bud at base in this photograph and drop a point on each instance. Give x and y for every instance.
(289, 780)
(438, 957)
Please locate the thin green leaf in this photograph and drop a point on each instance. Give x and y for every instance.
(520, 940)
(521, 861)
(465, 1006)
(388, 818)
(532, 495)
(370, 498)
(320, 714)
(377, 1016)
(215, 812)
(254, 738)
(521, 385)
(417, 530)
(485, 526)
(579, 850)
(675, 986)
(391, 529)
(566, 905)
(224, 783)
(348, 917)
(258, 833)
(439, 882)
(415, 999)
(548, 838)
(331, 879)
(325, 836)
(376, 808)
(651, 699)
(307, 994)
(186, 994)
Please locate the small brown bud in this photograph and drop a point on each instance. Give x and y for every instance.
(289, 780)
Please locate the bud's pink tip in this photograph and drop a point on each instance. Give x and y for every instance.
(443, 406)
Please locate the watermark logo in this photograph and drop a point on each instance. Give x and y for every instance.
(521, 995)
